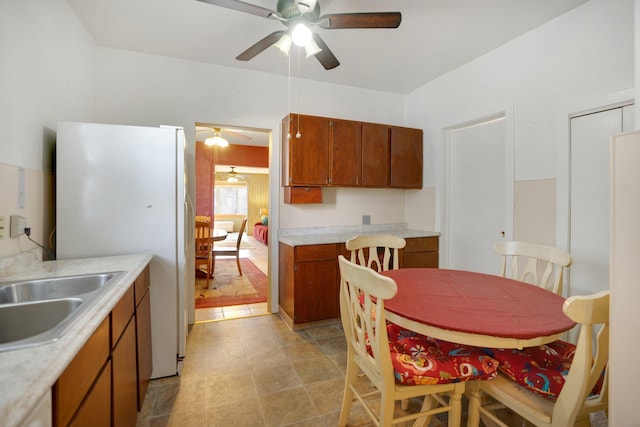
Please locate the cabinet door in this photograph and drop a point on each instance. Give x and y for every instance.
(125, 386)
(406, 157)
(316, 295)
(375, 155)
(306, 159)
(420, 252)
(95, 410)
(143, 338)
(345, 153)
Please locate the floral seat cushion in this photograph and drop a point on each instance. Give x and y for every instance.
(418, 359)
(542, 369)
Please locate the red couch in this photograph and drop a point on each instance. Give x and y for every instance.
(261, 232)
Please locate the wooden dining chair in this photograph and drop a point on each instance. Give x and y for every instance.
(396, 372)
(377, 251)
(563, 396)
(204, 245)
(222, 251)
(532, 263)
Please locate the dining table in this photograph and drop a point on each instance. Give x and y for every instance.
(218, 234)
(474, 308)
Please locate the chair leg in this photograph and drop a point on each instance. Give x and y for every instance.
(474, 404)
(455, 401)
(238, 262)
(347, 397)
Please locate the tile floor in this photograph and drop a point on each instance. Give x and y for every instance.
(255, 371)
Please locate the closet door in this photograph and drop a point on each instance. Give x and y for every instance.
(590, 201)
(478, 195)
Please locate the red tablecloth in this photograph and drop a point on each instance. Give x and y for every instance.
(476, 303)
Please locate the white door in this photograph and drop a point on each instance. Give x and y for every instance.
(477, 194)
(589, 201)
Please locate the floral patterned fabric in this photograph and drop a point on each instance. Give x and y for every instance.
(418, 359)
(542, 369)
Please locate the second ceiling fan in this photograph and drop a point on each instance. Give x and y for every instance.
(300, 17)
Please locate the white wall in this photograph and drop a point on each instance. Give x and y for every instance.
(47, 74)
(586, 52)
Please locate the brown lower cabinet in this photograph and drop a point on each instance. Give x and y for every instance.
(309, 278)
(100, 386)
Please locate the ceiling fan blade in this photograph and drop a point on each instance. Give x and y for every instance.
(361, 20)
(243, 7)
(325, 57)
(237, 134)
(263, 44)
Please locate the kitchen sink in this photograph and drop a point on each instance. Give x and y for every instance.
(53, 288)
(36, 311)
(42, 319)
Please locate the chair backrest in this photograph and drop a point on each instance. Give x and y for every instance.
(240, 233)
(204, 242)
(364, 251)
(203, 229)
(362, 295)
(532, 263)
(591, 312)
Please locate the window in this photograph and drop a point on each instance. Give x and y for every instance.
(230, 198)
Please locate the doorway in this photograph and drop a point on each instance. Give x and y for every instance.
(589, 202)
(232, 183)
(479, 192)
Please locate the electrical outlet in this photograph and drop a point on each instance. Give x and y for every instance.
(18, 223)
(1, 227)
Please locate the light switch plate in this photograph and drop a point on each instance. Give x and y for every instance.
(2, 227)
(18, 223)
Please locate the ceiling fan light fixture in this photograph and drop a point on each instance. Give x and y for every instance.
(284, 44)
(301, 34)
(216, 139)
(232, 179)
(312, 49)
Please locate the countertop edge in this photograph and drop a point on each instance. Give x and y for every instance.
(343, 236)
(28, 373)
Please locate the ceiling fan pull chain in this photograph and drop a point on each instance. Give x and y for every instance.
(289, 99)
(298, 134)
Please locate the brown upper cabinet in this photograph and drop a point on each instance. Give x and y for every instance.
(406, 157)
(345, 153)
(305, 160)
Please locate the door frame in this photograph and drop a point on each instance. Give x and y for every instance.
(500, 110)
(571, 109)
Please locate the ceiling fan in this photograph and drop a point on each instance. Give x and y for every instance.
(212, 135)
(300, 16)
(233, 176)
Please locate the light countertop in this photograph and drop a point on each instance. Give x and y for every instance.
(326, 235)
(27, 373)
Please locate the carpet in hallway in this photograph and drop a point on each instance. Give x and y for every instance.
(227, 287)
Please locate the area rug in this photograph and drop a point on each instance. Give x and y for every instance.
(227, 287)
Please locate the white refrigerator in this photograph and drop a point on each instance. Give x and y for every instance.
(121, 190)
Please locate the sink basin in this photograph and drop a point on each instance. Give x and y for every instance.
(33, 312)
(23, 321)
(53, 288)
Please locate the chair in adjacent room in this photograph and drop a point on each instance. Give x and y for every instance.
(540, 265)
(217, 252)
(396, 373)
(204, 245)
(376, 251)
(572, 387)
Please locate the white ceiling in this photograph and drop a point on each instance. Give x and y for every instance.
(435, 36)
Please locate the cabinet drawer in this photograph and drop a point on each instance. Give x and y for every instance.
(421, 244)
(77, 379)
(142, 284)
(120, 315)
(316, 252)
